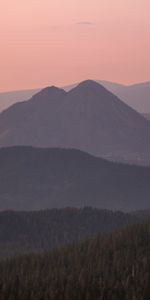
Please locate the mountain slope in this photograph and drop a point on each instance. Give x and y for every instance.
(88, 118)
(147, 116)
(29, 122)
(9, 98)
(102, 125)
(137, 96)
(33, 178)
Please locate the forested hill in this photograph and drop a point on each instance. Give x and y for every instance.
(35, 178)
(111, 267)
(23, 232)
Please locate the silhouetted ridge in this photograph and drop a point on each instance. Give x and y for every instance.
(32, 178)
(51, 91)
(90, 86)
(137, 96)
(88, 118)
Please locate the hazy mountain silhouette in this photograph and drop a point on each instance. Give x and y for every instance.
(32, 178)
(111, 86)
(88, 117)
(9, 98)
(137, 96)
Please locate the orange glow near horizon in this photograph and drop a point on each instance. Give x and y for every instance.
(45, 42)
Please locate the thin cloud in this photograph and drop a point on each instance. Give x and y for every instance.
(67, 26)
(85, 23)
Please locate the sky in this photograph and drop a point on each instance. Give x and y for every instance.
(59, 42)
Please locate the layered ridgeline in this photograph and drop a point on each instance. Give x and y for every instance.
(32, 178)
(110, 267)
(88, 118)
(137, 95)
(9, 98)
(37, 231)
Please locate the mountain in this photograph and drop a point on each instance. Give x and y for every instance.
(37, 231)
(32, 179)
(88, 118)
(137, 96)
(108, 267)
(111, 86)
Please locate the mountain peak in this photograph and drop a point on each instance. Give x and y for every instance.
(88, 87)
(90, 84)
(90, 91)
(49, 91)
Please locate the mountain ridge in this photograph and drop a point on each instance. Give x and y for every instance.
(88, 117)
(32, 179)
(135, 95)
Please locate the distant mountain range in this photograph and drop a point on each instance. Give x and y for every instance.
(137, 96)
(32, 178)
(88, 118)
(9, 98)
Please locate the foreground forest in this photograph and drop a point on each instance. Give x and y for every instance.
(107, 267)
(24, 232)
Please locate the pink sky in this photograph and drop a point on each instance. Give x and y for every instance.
(45, 42)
